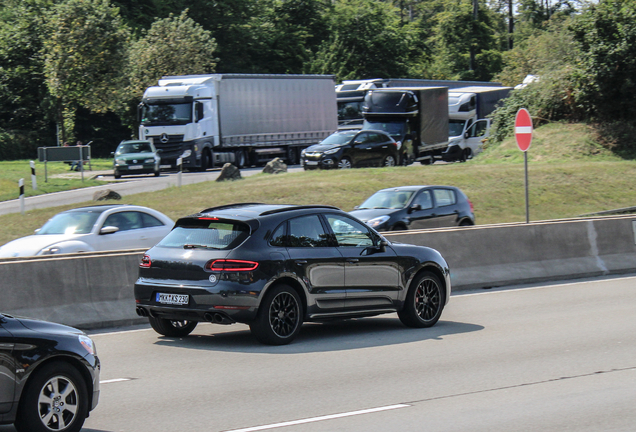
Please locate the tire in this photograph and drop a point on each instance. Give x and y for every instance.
(116, 174)
(465, 222)
(279, 317)
(345, 163)
(157, 173)
(240, 158)
(292, 156)
(466, 154)
(427, 162)
(398, 227)
(205, 161)
(54, 399)
(389, 161)
(172, 328)
(424, 302)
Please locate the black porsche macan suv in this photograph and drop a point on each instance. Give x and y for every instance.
(275, 266)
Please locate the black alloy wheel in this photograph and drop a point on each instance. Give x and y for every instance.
(55, 399)
(424, 302)
(279, 318)
(172, 328)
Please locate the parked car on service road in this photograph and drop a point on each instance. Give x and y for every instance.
(275, 266)
(352, 148)
(416, 207)
(49, 375)
(136, 157)
(94, 228)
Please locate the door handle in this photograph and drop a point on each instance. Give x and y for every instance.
(352, 260)
(300, 262)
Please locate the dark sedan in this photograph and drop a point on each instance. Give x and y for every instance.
(350, 149)
(275, 266)
(49, 375)
(416, 207)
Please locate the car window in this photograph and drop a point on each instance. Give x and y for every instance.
(478, 129)
(444, 197)
(424, 200)
(125, 221)
(307, 231)
(195, 233)
(73, 222)
(149, 221)
(349, 233)
(363, 138)
(278, 238)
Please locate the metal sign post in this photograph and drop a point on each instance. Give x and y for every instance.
(523, 136)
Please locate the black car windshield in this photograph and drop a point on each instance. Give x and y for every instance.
(139, 147)
(166, 114)
(206, 233)
(393, 199)
(395, 129)
(74, 222)
(339, 137)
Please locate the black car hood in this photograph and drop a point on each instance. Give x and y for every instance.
(321, 147)
(47, 327)
(368, 214)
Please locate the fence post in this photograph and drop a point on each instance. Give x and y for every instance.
(34, 181)
(21, 185)
(180, 164)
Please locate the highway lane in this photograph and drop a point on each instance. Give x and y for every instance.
(126, 186)
(546, 357)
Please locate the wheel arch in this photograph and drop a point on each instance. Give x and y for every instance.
(74, 362)
(292, 283)
(437, 271)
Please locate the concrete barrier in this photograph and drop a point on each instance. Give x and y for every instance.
(93, 290)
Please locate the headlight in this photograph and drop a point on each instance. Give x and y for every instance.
(150, 160)
(186, 154)
(51, 250)
(332, 151)
(87, 343)
(302, 153)
(376, 222)
(120, 161)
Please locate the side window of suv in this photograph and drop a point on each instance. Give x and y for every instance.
(349, 232)
(307, 231)
(278, 238)
(444, 197)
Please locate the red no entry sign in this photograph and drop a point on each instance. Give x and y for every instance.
(523, 129)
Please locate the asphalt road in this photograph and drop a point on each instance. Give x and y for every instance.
(127, 186)
(556, 357)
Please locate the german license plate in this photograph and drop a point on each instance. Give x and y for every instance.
(173, 299)
(311, 162)
(134, 167)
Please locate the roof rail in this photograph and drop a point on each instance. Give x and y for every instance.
(298, 207)
(229, 206)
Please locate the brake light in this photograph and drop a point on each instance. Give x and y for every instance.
(145, 262)
(231, 265)
(208, 218)
(471, 206)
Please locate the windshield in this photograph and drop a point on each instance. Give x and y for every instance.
(206, 234)
(339, 138)
(349, 110)
(455, 127)
(179, 113)
(395, 128)
(75, 222)
(142, 147)
(393, 199)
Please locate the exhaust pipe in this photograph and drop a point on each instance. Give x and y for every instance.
(142, 312)
(217, 318)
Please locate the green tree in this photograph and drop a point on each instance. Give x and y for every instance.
(173, 46)
(84, 55)
(366, 40)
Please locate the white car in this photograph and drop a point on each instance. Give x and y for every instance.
(95, 228)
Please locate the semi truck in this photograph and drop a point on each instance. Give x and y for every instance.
(205, 121)
(350, 94)
(416, 117)
(468, 126)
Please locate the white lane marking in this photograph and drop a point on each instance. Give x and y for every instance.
(317, 419)
(508, 289)
(115, 380)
